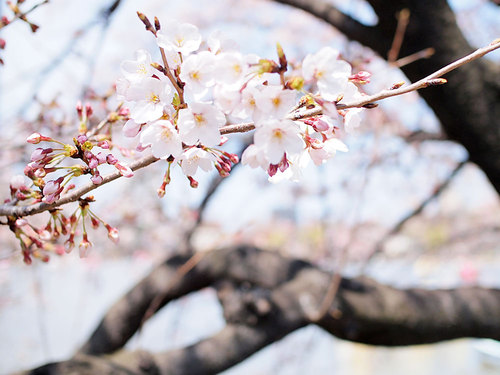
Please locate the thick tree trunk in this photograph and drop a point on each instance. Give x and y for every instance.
(265, 297)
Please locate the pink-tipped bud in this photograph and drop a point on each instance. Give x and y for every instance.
(124, 111)
(96, 179)
(79, 109)
(125, 170)
(94, 222)
(113, 234)
(103, 144)
(17, 182)
(81, 139)
(272, 170)
(21, 222)
(192, 182)
(360, 77)
(88, 110)
(111, 160)
(84, 247)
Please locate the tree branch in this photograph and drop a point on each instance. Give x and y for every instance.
(348, 26)
(278, 297)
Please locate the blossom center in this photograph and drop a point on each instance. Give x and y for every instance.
(278, 134)
(153, 98)
(195, 75)
(141, 69)
(199, 119)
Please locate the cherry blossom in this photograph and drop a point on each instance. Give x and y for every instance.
(276, 137)
(182, 37)
(148, 98)
(194, 158)
(331, 74)
(138, 69)
(274, 101)
(352, 120)
(200, 122)
(163, 138)
(326, 150)
(197, 72)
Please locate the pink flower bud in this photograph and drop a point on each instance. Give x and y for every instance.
(104, 145)
(89, 110)
(124, 111)
(34, 138)
(125, 170)
(111, 160)
(40, 154)
(361, 77)
(84, 247)
(112, 233)
(96, 179)
(192, 182)
(79, 108)
(21, 222)
(82, 138)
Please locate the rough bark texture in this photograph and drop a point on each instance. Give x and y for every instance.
(266, 296)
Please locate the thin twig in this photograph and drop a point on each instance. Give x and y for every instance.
(18, 211)
(22, 15)
(397, 42)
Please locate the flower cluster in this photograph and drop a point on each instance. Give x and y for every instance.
(180, 110)
(40, 242)
(178, 107)
(47, 160)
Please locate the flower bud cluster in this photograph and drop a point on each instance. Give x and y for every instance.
(41, 242)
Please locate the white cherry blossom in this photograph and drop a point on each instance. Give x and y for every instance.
(218, 43)
(331, 74)
(197, 72)
(276, 137)
(131, 128)
(226, 98)
(200, 122)
(231, 68)
(148, 98)
(138, 69)
(163, 138)
(254, 157)
(182, 37)
(274, 101)
(327, 151)
(194, 158)
(352, 120)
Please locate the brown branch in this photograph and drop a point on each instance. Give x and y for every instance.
(348, 26)
(274, 302)
(403, 20)
(18, 211)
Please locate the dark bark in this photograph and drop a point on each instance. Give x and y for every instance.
(468, 106)
(266, 296)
